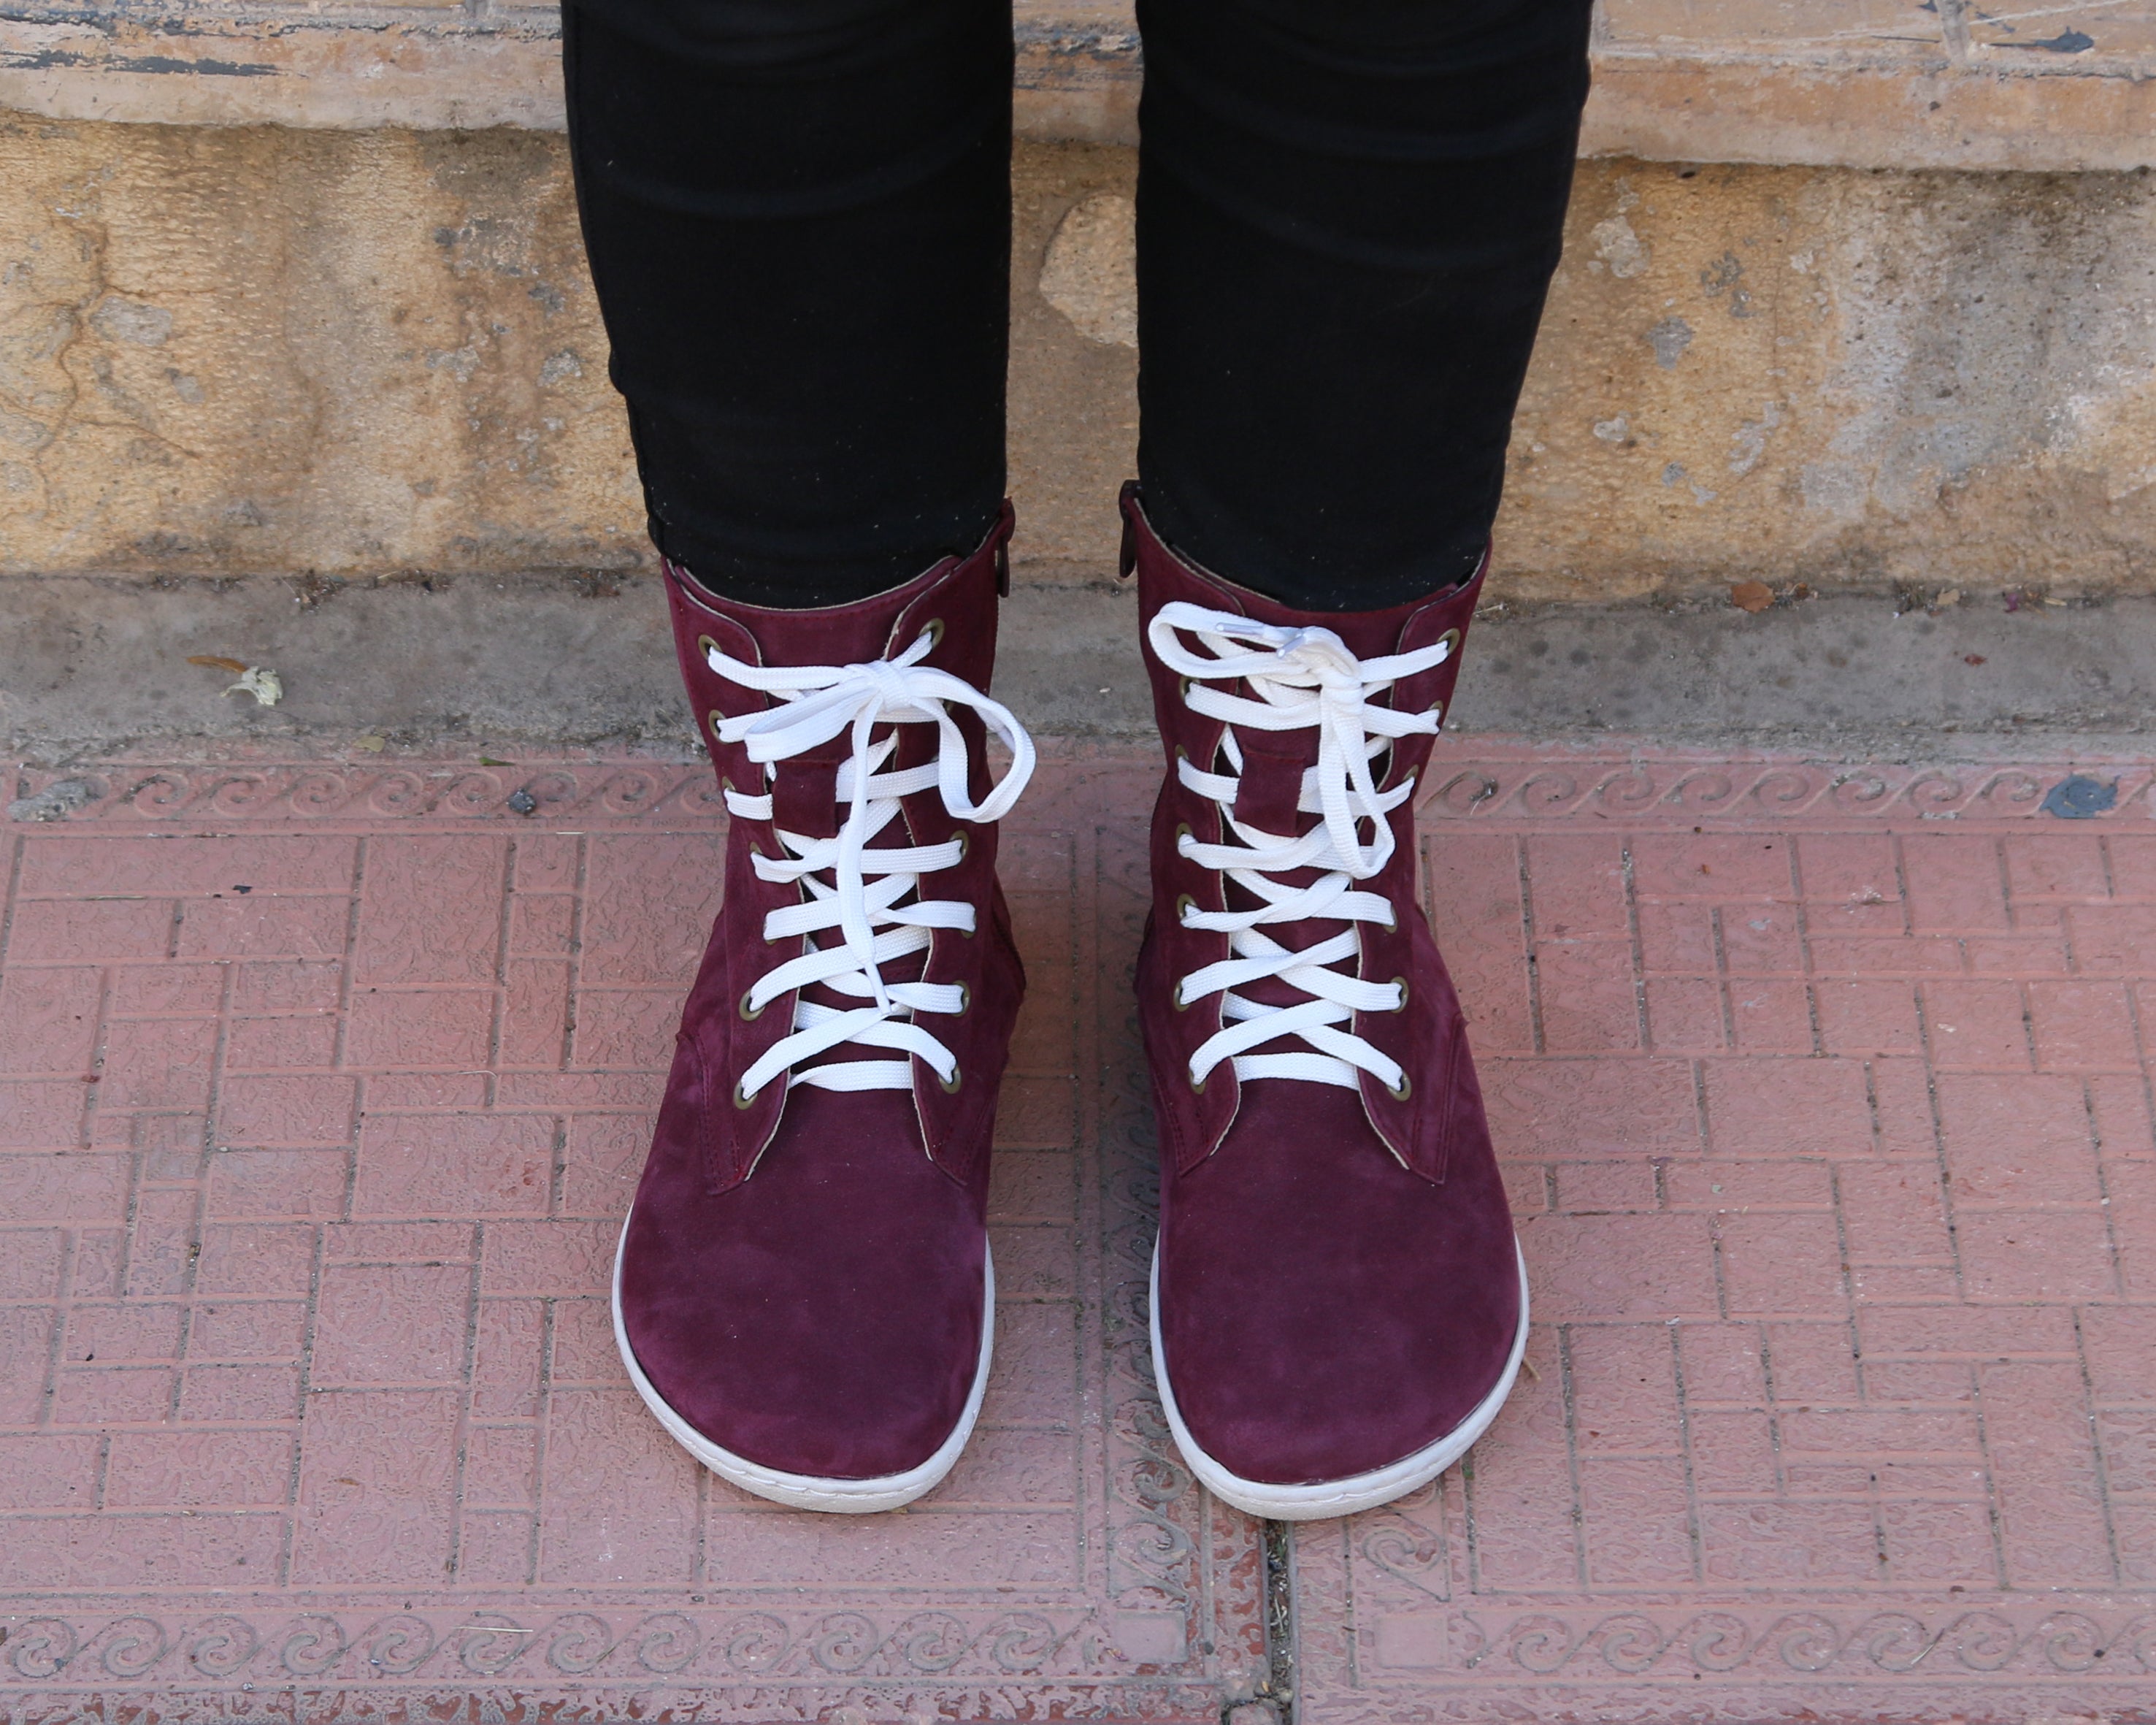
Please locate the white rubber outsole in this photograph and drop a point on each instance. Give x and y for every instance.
(1328, 1498)
(845, 1497)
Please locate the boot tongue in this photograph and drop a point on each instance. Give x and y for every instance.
(1367, 635)
(1270, 787)
(805, 790)
(804, 797)
(1267, 796)
(1269, 793)
(1274, 761)
(804, 801)
(843, 634)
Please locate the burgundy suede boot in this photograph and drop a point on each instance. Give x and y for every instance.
(1339, 1306)
(803, 1294)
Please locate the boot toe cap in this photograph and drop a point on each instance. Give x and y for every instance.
(823, 1319)
(1321, 1322)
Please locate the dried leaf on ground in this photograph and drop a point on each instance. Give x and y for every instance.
(218, 661)
(1753, 596)
(265, 685)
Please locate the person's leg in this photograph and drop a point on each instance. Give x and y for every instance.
(797, 213)
(799, 219)
(1349, 214)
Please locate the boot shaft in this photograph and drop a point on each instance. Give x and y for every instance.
(954, 606)
(1268, 794)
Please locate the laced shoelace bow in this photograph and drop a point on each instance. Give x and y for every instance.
(869, 899)
(1296, 679)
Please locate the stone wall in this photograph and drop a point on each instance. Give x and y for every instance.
(1851, 379)
(231, 350)
(367, 354)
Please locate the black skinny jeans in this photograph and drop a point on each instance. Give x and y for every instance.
(799, 218)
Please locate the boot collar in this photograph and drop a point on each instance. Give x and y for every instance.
(872, 628)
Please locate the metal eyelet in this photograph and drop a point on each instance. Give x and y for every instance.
(965, 1000)
(1450, 641)
(1183, 687)
(706, 647)
(1405, 1090)
(935, 629)
(1401, 983)
(715, 717)
(951, 1084)
(965, 846)
(742, 1099)
(1175, 999)
(746, 1012)
(1198, 1087)
(1183, 899)
(1183, 832)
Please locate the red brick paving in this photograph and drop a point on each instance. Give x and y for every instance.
(1829, 1134)
(1823, 1101)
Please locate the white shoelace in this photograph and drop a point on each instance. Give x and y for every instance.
(871, 898)
(1298, 678)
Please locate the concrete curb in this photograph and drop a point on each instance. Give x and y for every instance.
(91, 666)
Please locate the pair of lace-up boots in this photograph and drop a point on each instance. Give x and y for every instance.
(804, 1294)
